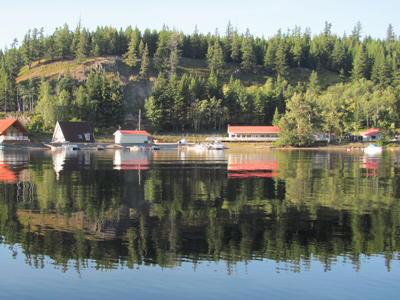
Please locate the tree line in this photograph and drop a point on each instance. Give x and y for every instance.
(195, 103)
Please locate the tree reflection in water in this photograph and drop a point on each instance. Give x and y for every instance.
(144, 208)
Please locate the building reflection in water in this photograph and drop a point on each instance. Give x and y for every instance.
(244, 166)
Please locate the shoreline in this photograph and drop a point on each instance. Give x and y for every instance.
(113, 146)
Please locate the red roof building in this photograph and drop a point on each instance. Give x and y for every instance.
(370, 135)
(132, 137)
(11, 130)
(253, 132)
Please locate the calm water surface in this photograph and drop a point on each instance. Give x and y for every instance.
(178, 224)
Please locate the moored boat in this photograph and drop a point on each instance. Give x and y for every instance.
(69, 147)
(373, 149)
(218, 145)
(182, 143)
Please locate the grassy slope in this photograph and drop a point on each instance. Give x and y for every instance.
(52, 71)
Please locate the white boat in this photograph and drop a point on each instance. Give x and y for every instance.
(373, 149)
(183, 142)
(69, 147)
(217, 146)
(198, 147)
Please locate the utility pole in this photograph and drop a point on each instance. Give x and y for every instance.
(140, 111)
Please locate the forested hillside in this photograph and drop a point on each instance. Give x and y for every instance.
(301, 81)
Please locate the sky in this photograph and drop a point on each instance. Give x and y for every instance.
(262, 17)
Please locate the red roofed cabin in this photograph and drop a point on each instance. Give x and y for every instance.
(370, 135)
(132, 137)
(253, 133)
(11, 131)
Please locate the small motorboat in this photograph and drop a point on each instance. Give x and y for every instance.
(69, 147)
(372, 149)
(217, 146)
(182, 143)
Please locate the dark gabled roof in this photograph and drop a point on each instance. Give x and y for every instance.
(74, 132)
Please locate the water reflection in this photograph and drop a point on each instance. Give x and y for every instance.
(164, 207)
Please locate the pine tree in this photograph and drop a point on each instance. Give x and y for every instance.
(144, 66)
(26, 50)
(358, 64)
(297, 47)
(214, 86)
(249, 60)
(281, 67)
(390, 35)
(174, 52)
(338, 56)
(269, 58)
(82, 51)
(161, 55)
(195, 44)
(141, 48)
(215, 57)
(130, 55)
(227, 41)
(380, 71)
(235, 49)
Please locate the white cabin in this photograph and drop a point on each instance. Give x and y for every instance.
(131, 137)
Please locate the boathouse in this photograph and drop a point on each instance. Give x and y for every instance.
(73, 132)
(253, 133)
(11, 131)
(370, 135)
(132, 137)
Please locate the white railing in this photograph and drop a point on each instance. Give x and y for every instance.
(255, 139)
(13, 138)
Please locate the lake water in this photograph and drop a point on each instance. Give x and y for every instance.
(184, 224)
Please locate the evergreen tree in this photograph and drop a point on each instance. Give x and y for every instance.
(26, 50)
(47, 104)
(380, 71)
(154, 105)
(338, 56)
(83, 47)
(195, 44)
(75, 39)
(390, 35)
(174, 52)
(358, 64)
(356, 33)
(227, 41)
(281, 67)
(269, 58)
(235, 49)
(297, 47)
(41, 43)
(131, 56)
(6, 85)
(144, 66)
(141, 48)
(249, 60)
(161, 55)
(63, 42)
(214, 86)
(215, 57)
